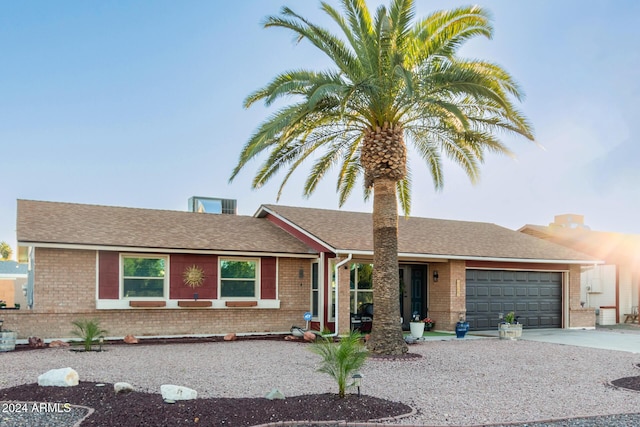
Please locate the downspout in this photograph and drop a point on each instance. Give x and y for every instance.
(336, 267)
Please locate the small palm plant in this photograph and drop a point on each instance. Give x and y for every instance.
(88, 330)
(341, 360)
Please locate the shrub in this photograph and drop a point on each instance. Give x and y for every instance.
(88, 330)
(341, 360)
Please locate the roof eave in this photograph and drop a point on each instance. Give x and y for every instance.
(94, 247)
(474, 258)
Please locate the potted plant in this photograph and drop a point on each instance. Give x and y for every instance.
(462, 327)
(3, 304)
(429, 324)
(7, 339)
(416, 325)
(510, 328)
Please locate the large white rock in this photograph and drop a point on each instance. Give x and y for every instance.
(122, 387)
(275, 394)
(177, 392)
(63, 377)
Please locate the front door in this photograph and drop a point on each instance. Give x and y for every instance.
(418, 290)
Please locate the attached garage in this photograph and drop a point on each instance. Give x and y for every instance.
(534, 296)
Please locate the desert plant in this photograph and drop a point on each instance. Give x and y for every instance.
(341, 360)
(510, 317)
(88, 330)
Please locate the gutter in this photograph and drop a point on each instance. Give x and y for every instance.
(476, 258)
(137, 249)
(336, 267)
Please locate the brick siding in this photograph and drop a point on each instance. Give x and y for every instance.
(447, 296)
(65, 290)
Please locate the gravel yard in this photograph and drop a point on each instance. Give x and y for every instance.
(455, 382)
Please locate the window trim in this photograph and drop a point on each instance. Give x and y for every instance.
(169, 304)
(356, 291)
(331, 285)
(257, 286)
(166, 278)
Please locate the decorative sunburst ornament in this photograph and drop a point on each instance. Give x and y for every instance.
(193, 276)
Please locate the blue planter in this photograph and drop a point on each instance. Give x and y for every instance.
(461, 329)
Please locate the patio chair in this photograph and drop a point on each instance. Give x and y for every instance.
(633, 316)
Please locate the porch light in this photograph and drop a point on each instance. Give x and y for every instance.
(357, 381)
(100, 342)
(435, 275)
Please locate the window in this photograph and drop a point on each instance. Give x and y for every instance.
(361, 286)
(143, 277)
(238, 278)
(315, 290)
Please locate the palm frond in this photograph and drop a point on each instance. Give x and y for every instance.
(388, 68)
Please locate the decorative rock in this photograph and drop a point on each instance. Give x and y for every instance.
(122, 388)
(309, 336)
(177, 392)
(230, 337)
(130, 339)
(367, 337)
(275, 394)
(63, 377)
(58, 343)
(35, 342)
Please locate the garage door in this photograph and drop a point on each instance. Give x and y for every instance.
(534, 296)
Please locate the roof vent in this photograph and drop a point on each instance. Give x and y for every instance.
(213, 205)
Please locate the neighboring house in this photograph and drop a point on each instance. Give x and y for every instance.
(614, 285)
(13, 280)
(139, 270)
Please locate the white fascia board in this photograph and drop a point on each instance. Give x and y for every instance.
(472, 258)
(296, 227)
(166, 250)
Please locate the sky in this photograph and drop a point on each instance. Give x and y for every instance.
(140, 104)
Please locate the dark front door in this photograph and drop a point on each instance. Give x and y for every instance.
(418, 290)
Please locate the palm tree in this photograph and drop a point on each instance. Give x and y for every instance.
(341, 360)
(394, 80)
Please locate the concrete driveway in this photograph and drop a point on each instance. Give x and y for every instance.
(618, 337)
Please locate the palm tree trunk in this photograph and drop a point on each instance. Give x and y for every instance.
(386, 331)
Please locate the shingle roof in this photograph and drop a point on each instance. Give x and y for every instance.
(352, 231)
(610, 246)
(91, 225)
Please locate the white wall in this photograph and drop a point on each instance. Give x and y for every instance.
(598, 286)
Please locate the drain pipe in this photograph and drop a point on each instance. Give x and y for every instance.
(336, 267)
